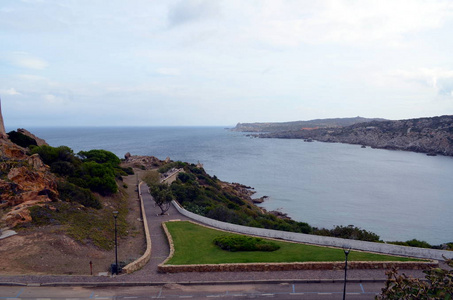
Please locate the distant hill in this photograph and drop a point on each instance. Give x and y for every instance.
(299, 125)
(432, 135)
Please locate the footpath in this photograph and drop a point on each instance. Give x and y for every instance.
(149, 275)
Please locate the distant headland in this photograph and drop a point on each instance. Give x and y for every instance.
(431, 135)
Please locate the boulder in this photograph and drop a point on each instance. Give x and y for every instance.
(39, 141)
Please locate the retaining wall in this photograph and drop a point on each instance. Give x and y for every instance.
(321, 240)
(143, 260)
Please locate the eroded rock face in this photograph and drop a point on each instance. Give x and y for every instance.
(25, 181)
(9, 150)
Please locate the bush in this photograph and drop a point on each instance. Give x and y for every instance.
(100, 156)
(413, 243)
(128, 170)
(71, 193)
(235, 243)
(62, 168)
(50, 155)
(438, 284)
(169, 166)
(42, 216)
(349, 232)
(97, 177)
(21, 139)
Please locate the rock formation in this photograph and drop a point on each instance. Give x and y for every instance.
(25, 180)
(39, 141)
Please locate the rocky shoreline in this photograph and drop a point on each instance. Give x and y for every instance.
(433, 136)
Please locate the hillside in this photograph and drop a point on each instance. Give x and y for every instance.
(299, 125)
(426, 135)
(61, 204)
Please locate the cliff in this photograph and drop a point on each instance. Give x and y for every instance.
(426, 135)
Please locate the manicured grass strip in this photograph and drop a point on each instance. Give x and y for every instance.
(194, 245)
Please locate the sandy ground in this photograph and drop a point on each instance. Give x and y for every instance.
(47, 250)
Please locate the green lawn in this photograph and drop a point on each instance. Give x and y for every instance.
(194, 245)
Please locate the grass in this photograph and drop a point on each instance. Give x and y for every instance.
(84, 224)
(194, 245)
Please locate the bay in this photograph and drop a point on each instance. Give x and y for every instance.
(397, 195)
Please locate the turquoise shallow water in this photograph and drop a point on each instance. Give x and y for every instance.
(398, 195)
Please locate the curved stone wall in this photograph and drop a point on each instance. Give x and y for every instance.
(321, 240)
(139, 263)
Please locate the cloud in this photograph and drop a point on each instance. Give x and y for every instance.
(291, 23)
(441, 80)
(25, 60)
(11, 92)
(188, 11)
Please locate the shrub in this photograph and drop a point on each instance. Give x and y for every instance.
(62, 168)
(97, 177)
(100, 156)
(235, 243)
(169, 166)
(128, 170)
(42, 216)
(21, 139)
(50, 154)
(349, 232)
(71, 193)
(413, 243)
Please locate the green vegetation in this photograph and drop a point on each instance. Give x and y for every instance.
(81, 213)
(71, 193)
(423, 244)
(438, 285)
(235, 243)
(202, 194)
(21, 139)
(162, 196)
(161, 192)
(194, 245)
(348, 232)
(95, 169)
(85, 224)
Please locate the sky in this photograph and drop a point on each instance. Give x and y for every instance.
(220, 62)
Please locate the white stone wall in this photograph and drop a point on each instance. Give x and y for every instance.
(321, 240)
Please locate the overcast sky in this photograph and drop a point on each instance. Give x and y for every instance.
(215, 62)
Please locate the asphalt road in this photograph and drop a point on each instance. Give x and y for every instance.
(174, 291)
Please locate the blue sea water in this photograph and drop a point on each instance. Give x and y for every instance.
(398, 195)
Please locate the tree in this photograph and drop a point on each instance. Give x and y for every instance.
(151, 178)
(100, 156)
(162, 196)
(438, 285)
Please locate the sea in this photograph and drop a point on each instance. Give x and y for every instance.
(396, 194)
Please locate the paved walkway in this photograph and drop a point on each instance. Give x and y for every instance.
(160, 251)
